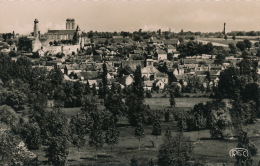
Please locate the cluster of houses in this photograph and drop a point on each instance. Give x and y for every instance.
(152, 54)
(90, 70)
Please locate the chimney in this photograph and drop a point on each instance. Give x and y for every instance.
(224, 30)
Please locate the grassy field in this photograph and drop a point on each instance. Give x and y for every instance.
(223, 42)
(184, 102)
(211, 151)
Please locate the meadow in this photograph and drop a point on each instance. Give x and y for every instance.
(223, 42)
(214, 152)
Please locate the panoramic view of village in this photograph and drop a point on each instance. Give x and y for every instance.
(173, 95)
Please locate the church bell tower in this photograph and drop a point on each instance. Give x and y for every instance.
(36, 29)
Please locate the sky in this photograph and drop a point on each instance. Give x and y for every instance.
(131, 15)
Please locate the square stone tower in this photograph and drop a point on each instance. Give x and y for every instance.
(70, 24)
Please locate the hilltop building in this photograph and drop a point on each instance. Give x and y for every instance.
(66, 34)
(43, 47)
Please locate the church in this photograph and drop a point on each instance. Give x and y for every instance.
(43, 47)
(63, 34)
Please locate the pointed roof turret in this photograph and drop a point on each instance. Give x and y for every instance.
(77, 29)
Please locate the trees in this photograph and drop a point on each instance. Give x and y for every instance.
(244, 142)
(244, 113)
(125, 71)
(78, 93)
(175, 150)
(15, 99)
(87, 89)
(79, 126)
(136, 109)
(14, 152)
(89, 104)
(248, 43)
(138, 83)
(194, 84)
(245, 54)
(56, 125)
(170, 56)
(225, 37)
(221, 124)
(6, 67)
(167, 116)
(113, 88)
(199, 117)
(241, 46)
(157, 128)
(251, 92)
(233, 81)
(96, 135)
(258, 52)
(8, 115)
(221, 55)
(115, 105)
(57, 151)
(12, 54)
(55, 76)
(25, 44)
(104, 80)
(232, 48)
(112, 135)
(68, 90)
(193, 48)
(164, 68)
(229, 82)
(172, 101)
(100, 90)
(182, 121)
(200, 121)
(31, 134)
(38, 109)
(22, 69)
(139, 133)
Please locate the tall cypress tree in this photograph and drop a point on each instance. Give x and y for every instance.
(104, 80)
(138, 84)
(65, 70)
(87, 89)
(137, 110)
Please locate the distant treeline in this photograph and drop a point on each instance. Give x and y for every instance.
(244, 33)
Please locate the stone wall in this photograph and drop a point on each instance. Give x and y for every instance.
(66, 49)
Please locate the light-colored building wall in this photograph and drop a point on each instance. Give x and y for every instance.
(129, 80)
(160, 84)
(162, 56)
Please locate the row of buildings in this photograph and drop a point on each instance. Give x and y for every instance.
(181, 70)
